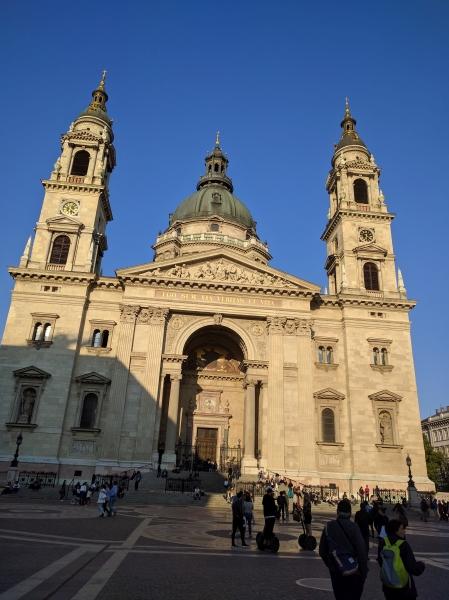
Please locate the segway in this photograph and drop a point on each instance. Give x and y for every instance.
(306, 542)
(270, 543)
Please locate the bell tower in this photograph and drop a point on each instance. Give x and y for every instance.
(71, 230)
(360, 257)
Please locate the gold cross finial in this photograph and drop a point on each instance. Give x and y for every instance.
(103, 79)
(217, 139)
(347, 109)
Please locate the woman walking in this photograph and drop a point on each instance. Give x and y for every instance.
(102, 501)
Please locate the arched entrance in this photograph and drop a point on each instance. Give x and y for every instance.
(212, 400)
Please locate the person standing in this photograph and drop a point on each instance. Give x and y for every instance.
(362, 519)
(367, 492)
(398, 564)
(112, 498)
(137, 480)
(282, 505)
(269, 513)
(307, 512)
(248, 508)
(62, 491)
(424, 510)
(238, 519)
(83, 493)
(343, 551)
(101, 501)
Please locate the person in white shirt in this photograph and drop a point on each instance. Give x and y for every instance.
(102, 500)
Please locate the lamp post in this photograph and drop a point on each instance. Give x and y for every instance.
(15, 461)
(408, 462)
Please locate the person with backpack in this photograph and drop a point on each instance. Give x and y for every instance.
(398, 564)
(344, 553)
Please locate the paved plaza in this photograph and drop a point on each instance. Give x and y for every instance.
(153, 551)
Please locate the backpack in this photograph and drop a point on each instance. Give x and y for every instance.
(393, 572)
(344, 561)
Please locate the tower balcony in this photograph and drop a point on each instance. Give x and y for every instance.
(55, 267)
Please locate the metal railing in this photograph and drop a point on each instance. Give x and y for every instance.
(391, 495)
(182, 486)
(44, 478)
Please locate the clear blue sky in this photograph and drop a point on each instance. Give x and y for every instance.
(272, 76)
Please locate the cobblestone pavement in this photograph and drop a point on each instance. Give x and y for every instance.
(63, 551)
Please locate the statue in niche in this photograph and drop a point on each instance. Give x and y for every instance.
(386, 428)
(26, 408)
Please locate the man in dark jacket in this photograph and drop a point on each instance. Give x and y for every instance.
(344, 535)
(396, 532)
(238, 518)
(362, 519)
(269, 513)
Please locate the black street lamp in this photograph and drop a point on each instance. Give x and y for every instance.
(408, 462)
(15, 462)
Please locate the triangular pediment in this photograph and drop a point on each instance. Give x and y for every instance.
(93, 377)
(64, 223)
(385, 396)
(370, 249)
(328, 394)
(217, 268)
(31, 373)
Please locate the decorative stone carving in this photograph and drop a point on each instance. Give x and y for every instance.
(176, 323)
(82, 134)
(363, 165)
(152, 316)
(218, 318)
(128, 313)
(257, 329)
(276, 324)
(386, 427)
(222, 270)
(289, 326)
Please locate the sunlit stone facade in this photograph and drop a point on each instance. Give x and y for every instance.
(209, 346)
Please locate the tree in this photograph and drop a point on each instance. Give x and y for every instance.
(437, 464)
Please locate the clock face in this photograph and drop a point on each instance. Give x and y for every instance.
(70, 208)
(366, 235)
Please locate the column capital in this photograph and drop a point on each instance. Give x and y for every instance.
(175, 376)
(249, 383)
(275, 325)
(128, 313)
(153, 316)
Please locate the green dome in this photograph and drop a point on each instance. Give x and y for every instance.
(213, 200)
(96, 112)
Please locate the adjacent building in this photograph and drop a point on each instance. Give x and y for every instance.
(436, 429)
(208, 346)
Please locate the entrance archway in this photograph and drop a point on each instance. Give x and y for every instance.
(212, 399)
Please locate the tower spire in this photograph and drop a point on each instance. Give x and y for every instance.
(97, 107)
(217, 140)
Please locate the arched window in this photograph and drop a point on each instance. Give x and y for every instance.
(96, 338)
(80, 163)
(89, 412)
(37, 332)
(47, 332)
(104, 338)
(60, 250)
(360, 191)
(384, 356)
(370, 276)
(321, 354)
(328, 425)
(216, 167)
(329, 355)
(376, 356)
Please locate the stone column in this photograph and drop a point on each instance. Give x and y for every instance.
(155, 318)
(306, 403)
(172, 421)
(274, 453)
(249, 462)
(157, 419)
(262, 420)
(119, 382)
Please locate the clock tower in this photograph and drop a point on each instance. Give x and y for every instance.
(70, 232)
(360, 257)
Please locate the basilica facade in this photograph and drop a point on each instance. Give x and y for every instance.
(208, 351)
